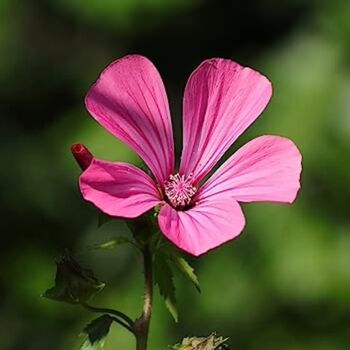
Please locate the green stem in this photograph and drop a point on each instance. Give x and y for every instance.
(120, 318)
(141, 326)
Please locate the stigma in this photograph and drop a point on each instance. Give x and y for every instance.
(179, 190)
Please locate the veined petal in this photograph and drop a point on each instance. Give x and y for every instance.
(118, 189)
(130, 101)
(205, 226)
(265, 169)
(221, 100)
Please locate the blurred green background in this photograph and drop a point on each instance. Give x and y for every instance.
(285, 282)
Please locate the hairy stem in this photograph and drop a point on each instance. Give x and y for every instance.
(141, 326)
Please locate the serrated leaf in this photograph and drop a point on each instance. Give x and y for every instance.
(188, 271)
(163, 277)
(98, 328)
(171, 306)
(113, 243)
(73, 283)
(96, 332)
(183, 266)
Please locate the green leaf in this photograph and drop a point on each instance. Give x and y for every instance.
(187, 271)
(73, 283)
(182, 265)
(113, 243)
(103, 219)
(163, 277)
(96, 332)
(140, 227)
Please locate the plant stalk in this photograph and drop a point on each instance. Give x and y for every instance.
(141, 326)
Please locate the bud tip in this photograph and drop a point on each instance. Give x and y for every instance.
(82, 155)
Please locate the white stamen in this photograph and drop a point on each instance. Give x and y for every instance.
(179, 190)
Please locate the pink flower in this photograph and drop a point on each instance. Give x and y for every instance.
(222, 99)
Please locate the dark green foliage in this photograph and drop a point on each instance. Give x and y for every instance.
(113, 243)
(103, 219)
(163, 277)
(73, 283)
(96, 332)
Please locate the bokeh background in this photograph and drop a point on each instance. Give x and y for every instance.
(285, 283)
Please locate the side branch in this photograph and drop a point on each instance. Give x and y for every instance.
(120, 317)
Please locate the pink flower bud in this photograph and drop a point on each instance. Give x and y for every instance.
(82, 155)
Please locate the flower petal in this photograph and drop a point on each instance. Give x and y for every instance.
(221, 100)
(130, 101)
(118, 189)
(265, 169)
(205, 226)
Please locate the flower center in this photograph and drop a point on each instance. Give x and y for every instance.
(179, 189)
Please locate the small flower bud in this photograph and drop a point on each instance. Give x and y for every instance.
(203, 343)
(82, 155)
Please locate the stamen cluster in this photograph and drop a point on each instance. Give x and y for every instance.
(179, 190)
